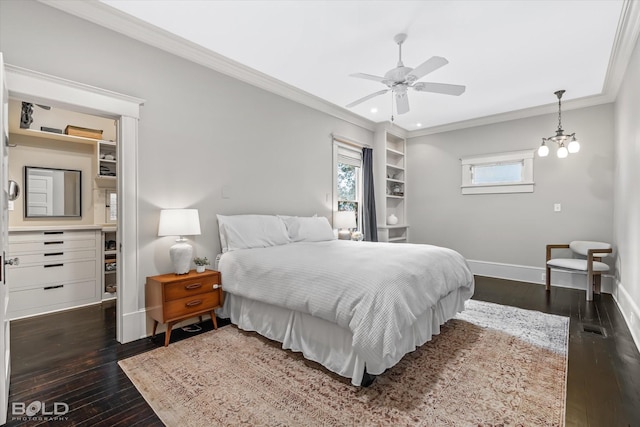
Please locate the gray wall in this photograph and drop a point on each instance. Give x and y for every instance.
(627, 196)
(199, 130)
(514, 228)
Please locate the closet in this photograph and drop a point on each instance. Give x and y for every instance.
(63, 225)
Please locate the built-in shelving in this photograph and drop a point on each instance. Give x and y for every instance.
(393, 202)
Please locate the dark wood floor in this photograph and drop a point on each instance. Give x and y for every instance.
(71, 357)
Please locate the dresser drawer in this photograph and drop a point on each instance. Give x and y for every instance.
(193, 304)
(21, 277)
(187, 288)
(44, 235)
(29, 301)
(54, 256)
(15, 248)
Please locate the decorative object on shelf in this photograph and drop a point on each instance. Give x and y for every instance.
(560, 137)
(83, 132)
(50, 130)
(396, 190)
(180, 222)
(392, 219)
(201, 263)
(343, 221)
(25, 115)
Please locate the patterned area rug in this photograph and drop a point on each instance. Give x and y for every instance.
(492, 365)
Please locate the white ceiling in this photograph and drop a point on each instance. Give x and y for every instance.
(511, 55)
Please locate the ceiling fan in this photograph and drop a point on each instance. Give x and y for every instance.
(399, 79)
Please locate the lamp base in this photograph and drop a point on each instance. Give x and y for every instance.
(181, 254)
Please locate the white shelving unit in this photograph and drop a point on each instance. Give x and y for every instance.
(391, 177)
(110, 264)
(107, 163)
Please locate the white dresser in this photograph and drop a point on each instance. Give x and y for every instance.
(57, 269)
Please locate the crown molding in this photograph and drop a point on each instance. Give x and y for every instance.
(625, 41)
(588, 101)
(101, 14)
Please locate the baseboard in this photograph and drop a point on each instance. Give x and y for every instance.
(630, 311)
(524, 273)
(134, 326)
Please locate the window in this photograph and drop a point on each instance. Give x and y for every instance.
(348, 179)
(498, 173)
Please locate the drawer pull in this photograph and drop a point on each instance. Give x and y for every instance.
(53, 287)
(54, 254)
(57, 242)
(53, 232)
(194, 303)
(193, 286)
(53, 265)
(216, 286)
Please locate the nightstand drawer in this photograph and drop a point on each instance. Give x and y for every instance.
(193, 304)
(188, 288)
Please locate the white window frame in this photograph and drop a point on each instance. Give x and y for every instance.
(524, 185)
(348, 151)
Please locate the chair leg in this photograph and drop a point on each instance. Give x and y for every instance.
(589, 285)
(548, 279)
(597, 280)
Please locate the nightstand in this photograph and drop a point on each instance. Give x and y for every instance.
(172, 298)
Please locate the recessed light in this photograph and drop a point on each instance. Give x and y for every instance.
(419, 125)
(374, 110)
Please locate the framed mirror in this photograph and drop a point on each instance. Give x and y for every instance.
(52, 192)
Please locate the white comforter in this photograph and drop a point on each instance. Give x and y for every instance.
(375, 290)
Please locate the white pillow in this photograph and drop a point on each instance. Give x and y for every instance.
(308, 229)
(251, 231)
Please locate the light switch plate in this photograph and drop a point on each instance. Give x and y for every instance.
(557, 207)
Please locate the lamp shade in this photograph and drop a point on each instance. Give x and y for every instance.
(179, 222)
(345, 219)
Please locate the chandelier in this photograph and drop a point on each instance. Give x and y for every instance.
(566, 143)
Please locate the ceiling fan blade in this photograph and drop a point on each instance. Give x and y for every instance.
(402, 102)
(368, 77)
(444, 88)
(361, 100)
(426, 67)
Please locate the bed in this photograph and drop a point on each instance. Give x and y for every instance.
(354, 307)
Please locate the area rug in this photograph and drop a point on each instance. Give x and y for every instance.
(492, 365)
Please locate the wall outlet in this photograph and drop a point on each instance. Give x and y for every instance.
(544, 276)
(557, 207)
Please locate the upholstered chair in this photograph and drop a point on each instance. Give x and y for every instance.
(588, 260)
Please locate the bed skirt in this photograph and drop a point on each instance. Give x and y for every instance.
(328, 343)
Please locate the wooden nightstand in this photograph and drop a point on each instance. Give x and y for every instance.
(172, 298)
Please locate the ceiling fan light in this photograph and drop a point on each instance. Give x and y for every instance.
(574, 146)
(562, 152)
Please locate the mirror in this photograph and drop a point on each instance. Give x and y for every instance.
(52, 192)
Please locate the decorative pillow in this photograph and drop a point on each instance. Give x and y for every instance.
(251, 231)
(308, 229)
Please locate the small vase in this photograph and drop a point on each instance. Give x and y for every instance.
(200, 268)
(392, 219)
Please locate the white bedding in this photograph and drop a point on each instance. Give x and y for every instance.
(375, 290)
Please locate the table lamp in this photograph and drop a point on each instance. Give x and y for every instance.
(343, 221)
(180, 222)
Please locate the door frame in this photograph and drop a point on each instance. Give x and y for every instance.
(24, 84)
